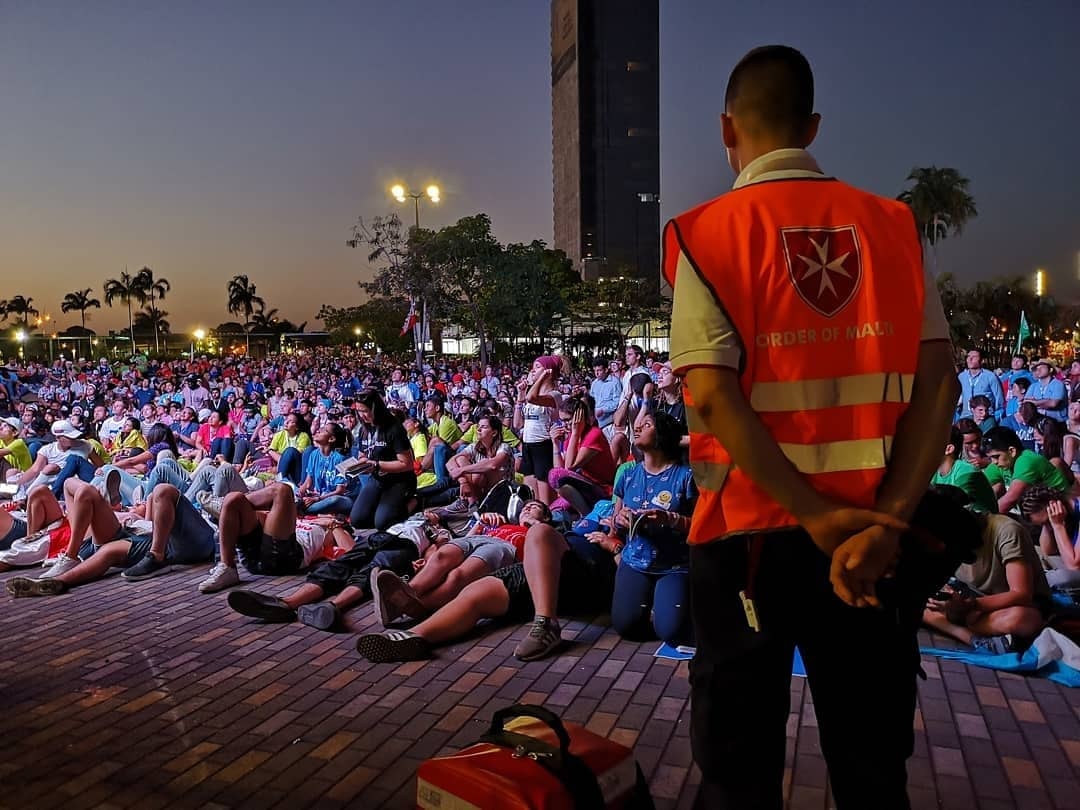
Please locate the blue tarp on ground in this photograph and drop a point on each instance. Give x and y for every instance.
(1051, 656)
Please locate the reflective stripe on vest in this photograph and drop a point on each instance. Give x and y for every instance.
(813, 395)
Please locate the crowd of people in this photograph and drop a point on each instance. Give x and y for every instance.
(448, 494)
(455, 493)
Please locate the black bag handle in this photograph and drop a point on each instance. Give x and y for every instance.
(577, 777)
(545, 716)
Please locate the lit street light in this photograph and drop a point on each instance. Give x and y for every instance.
(1040, 283)
(401, 194)
(198, 336)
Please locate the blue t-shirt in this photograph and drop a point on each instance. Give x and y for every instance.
(657, 550)
(322, 470)
(1051, 389)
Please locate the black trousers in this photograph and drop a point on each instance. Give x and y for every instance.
(353, 568)
(861, 664)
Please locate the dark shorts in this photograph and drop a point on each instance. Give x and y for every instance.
(16, 532)
(536, 459)
(140, 547)
(262, 554)
(586, 582)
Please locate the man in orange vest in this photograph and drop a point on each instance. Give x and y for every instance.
(820, 389)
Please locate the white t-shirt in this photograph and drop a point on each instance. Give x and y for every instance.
(312, 539)
(472, 453)
(111, 428)
(538, 419)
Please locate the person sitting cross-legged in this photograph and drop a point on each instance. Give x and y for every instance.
(491, 544)
(99, 542)
(999, 599)
(260, 529)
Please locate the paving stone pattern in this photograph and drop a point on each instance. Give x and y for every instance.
(151, 695)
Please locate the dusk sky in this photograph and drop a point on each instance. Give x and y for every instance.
(206, 139)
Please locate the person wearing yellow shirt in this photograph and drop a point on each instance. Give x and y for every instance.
(288, 446)
(14, 454)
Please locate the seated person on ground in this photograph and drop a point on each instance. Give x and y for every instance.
(260, 530)
(559, 574)
(584, 469)
(1019, 468)
(484, 463)
(14, 454)
(324, 490)
(42, 510)
(1022, 422)
(491, 544)
(982, 413)
(179, 536)
(1057, 513)
(1003, 596)
(654, 501)
(52, 457)
(956, 472)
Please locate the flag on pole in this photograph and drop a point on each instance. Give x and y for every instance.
(1023, 334)
(410, 318)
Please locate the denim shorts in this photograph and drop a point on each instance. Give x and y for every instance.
(16, 532)
(140, 547)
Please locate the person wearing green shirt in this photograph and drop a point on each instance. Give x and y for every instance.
(14, 454)
(1020, 468)
(956, 472)
(442, 432)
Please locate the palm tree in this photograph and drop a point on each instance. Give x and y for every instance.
(153, 290)
(22, 307)
(126, 289)
(265, 320)
(941, 203)
(242, 301)
(152, 320)
(81, 301)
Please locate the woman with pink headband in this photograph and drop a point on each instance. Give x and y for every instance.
(537, 408)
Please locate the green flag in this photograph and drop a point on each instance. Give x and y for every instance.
(1023, 334)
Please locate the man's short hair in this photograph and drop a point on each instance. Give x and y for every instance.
(1023, 383)
(774, 85)
(1003, 439)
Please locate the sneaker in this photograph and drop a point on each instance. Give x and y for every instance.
(395, 598)
(222, 576)
(993, 645)
(261, 606)
(210, 503)
(544, 636)
(60, 565)
(321, 616)
(393, 645)
(24, 586)
(146, 568)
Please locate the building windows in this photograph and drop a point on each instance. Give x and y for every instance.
(641, 132)
(645, 197)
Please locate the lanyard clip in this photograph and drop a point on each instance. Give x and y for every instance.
(751, 612)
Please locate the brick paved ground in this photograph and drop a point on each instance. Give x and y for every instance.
(151, 695)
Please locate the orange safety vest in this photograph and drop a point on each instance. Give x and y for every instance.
(823, 285)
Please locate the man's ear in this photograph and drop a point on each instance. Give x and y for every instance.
(727, 130)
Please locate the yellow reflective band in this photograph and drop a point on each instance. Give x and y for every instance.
(843, 456)
(835, 392)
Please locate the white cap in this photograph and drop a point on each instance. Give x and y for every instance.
(62, 427)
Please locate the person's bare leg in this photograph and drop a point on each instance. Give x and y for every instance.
(543, 492)
(161, 511)
(88, 515)
(575, 499)
(1025, 622)
(939, 622)
(42, 508)
(280, 522)
(486, 598)
(238, 518)
(456, 581)
(438, 565)
(544, 549)
(349, 596)
(109, 555)
(306, 594)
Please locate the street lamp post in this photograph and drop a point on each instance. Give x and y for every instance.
(20, 336)
(198, 336)
(433, 194)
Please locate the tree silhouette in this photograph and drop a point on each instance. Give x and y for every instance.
(153, 290)
(242, 301)
(126, 289)
(80, 300)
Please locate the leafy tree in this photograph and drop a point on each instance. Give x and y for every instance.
(399, 273)
(618, 304)
(379, 319)
(127, 289)
(941, 203)
(80, 301)
(22, 307)
(152, 321)
(463, 260)
(242, 301)
(543, 283)
(153, 290)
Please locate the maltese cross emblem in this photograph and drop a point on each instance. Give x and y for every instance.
(824, 264)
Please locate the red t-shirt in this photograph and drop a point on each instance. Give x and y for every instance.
(600, 468)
